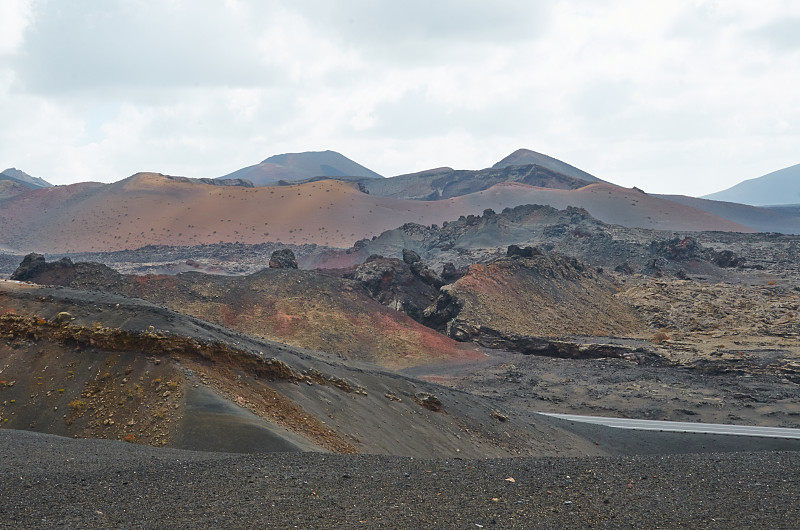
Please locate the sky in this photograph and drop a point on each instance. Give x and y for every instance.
(678, 96)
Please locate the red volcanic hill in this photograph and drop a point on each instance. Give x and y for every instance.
(299, 166)
(611, 204)
(150, 208)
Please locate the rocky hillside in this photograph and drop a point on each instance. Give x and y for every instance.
(515, 302)
(572, 232)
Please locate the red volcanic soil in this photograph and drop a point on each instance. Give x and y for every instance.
(610, 204)
(299, 308)
(154, 209)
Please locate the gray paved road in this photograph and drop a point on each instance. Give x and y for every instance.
(678, 426)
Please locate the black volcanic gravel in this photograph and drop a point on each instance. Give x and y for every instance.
(51, 482)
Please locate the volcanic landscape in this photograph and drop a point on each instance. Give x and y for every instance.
(306, 343)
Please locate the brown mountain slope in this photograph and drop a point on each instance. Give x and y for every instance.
(610, 204)
(10, 188)
(154, 209)
(300, 308)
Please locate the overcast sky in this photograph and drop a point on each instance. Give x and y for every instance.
(670, 96)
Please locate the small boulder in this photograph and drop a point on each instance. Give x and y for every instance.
(450, 273)
(522, 252)
(624, 268)
(34, 264)
(726, 259)
(410, 257)
(429, 401)
(31, 265)
(63, 317)
(283, 259)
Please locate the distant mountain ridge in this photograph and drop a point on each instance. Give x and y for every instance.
(446, 183)
(154, 209)
(522, 157)
(776, 188)
(301, 166)
(522, 166)
(783, 220)
(23, 178)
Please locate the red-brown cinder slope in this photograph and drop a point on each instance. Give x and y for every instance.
(150, 208)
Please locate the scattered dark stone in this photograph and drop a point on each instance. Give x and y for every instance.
(283, 259)
(522, 252)
(677, 249)
(450, 273)
(681, 275)
(63, 317)
(426, 275)
(410, 257)
(428, 401)
(726, 259)
(624, 268)
(499, 416)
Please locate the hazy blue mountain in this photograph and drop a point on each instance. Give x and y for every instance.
(785, 220)
(24, 179)
(778, 187)
(523, 157)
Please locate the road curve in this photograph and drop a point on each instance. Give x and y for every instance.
(680, 426)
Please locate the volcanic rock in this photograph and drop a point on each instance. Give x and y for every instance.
(34, 264)
(410, 257)
(283, 259)
(394, 283)
(450, 273)
(726, 259)
(522, 252)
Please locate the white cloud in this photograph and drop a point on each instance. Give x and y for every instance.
(15, 16)
(687, 96)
